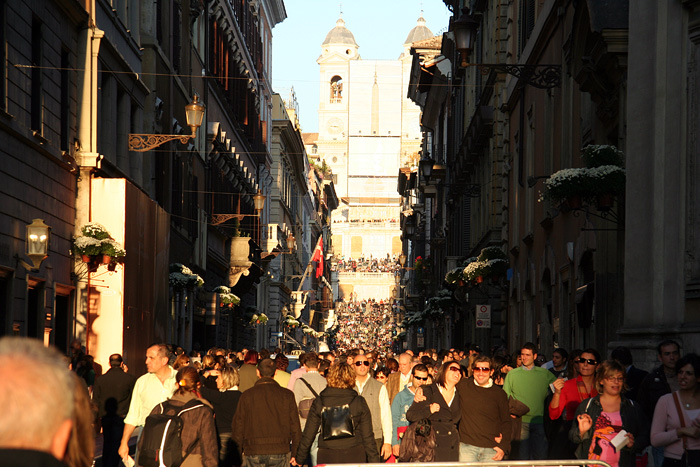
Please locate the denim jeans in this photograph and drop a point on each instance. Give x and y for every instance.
(469, 453)
(267, 460)
(532, 444)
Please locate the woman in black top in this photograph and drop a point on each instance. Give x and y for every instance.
(441, 407)
(224, 399)
(359, 448)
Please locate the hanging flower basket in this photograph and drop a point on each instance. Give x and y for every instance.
(182, 277)
(227, 298)
(597, 155)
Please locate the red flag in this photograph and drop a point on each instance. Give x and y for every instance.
(318, 257)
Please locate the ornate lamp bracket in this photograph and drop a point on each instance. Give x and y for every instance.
(145, 142)
(539, 76)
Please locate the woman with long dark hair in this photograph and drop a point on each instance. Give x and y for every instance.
(676, 423)
(441, 407)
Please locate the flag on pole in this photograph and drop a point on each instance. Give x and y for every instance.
(318, 257)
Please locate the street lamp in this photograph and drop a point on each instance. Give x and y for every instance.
(402, 260)
(465, 35)
(37, 240)
(258, 204)
(426, 168)
(194, 113)
(259, 201)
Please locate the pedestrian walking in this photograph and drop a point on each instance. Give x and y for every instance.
(601, 418)
(198, 435)
(529, 384)
(360, 447)
(676, 423)
(224, 399)
(112, 395)
(266, 425)
(440, 404)
(151, 389)
(485, 424)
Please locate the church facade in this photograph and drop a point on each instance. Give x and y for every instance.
(368, 129)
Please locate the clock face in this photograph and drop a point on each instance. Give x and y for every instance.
(335, 125)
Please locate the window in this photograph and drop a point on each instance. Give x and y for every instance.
(336, 89)
(526, 23)
(36, 103)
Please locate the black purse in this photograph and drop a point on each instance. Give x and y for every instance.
(336, 422)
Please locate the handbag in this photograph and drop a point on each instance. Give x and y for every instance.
(336, 422)
(418, 442)
(305, 404)
(691, 458)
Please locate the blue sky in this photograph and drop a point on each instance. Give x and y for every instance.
(379, 27)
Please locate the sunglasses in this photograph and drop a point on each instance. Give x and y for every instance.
(421, 379)
(483, 370)
(454, 368)
(365, 363)
(590, 361)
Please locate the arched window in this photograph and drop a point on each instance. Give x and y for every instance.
(336, 89)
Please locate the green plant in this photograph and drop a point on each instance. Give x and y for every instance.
(95, 230)
(568, 183)
(182, 277)
(597, 155)
(112, 248)
(227, 298)
(607, 180)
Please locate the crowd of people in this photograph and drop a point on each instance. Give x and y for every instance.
(369, 264)
(352, 406)
(367, 324)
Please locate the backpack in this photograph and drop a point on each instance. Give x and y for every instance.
(305, 404)
(161, 445)
(418, 442)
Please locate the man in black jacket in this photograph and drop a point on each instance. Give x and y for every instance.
(266, 425)
(112, 395)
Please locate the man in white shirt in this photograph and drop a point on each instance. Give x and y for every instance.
(150, 390)
(377, 399)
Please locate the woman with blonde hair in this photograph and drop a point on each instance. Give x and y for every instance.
(360, 447)
(199, 441)
(601, 418)
(224, 399)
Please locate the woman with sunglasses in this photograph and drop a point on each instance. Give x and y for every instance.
(440, 405)
(681, 441)
(600, 419)
(568, 394)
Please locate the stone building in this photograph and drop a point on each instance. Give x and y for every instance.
(367, 130)
(78, 83)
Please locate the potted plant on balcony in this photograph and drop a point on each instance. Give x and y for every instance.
(87, 247)
(597, 155)
(240, 243)
(607, 182)
(568, 185)
(226, 298)
(111, 249)
(182, 277)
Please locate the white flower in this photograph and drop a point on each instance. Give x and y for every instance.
(83, 242)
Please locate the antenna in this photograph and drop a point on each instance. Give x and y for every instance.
(421, 8)
(341, 8)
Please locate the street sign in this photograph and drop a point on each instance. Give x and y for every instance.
(483, 316)
(273, 341)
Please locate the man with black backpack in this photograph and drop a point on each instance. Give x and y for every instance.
(266, 426)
